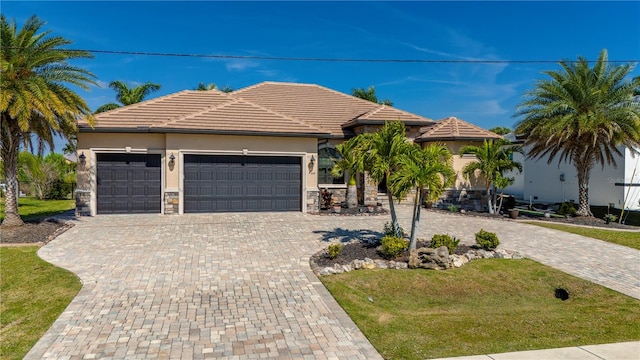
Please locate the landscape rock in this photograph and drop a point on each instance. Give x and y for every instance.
(427, 258)
(381, 264)
(459, 260)
(356, 264)
(327, 271)
(368, 264)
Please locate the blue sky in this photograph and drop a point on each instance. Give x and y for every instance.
(483, 94)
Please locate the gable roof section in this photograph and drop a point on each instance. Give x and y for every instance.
(386, 113)
(240, 117)
(152, 112)
(452, 128)
(321, 107)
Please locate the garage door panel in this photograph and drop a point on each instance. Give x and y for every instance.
(242, 183)
(128, 183)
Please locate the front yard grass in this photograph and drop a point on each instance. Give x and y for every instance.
(31, 208)
(34, 294)
(624, 238)
(487, 306)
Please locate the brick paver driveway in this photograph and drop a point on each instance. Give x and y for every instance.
(239, 285)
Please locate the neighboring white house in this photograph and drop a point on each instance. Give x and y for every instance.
(517, 188)
(616, 186)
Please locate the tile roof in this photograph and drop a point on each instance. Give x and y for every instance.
(452, 128)
(320, 106)
(264, 108)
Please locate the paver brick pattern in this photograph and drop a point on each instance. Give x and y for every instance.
(239, 286)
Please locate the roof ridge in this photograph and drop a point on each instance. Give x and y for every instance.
(144, 102)
(231, 100)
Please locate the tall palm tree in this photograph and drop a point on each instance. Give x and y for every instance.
(382, 151)
(370, 95)
(351, 162)
(35, 101)
(582, 115)
(127, 96)
(422, 168)
(493, 158)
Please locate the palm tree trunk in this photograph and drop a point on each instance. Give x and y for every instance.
(583, 190)
(489, 199)
(394, 217)
(416, 219)
(9, 152)
(494, 197)
(352, 193)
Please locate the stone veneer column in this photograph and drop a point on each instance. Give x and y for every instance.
(83, 190)
(313, 201)
(370, 190)
(171, 202)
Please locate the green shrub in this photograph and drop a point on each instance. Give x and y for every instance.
(390, 230)
(444, 240)
(487, 240)
(608, 218)
(334, 250)
(567, 209)
(392, 246)
(452, 208)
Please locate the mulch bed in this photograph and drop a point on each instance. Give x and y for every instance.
(359, 250)
(36, 232)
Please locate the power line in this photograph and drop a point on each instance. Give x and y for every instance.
(318, 59)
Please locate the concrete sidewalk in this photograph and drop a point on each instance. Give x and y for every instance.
(618, 351)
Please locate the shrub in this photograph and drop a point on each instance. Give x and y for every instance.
(390, 230)
(487, 240)
(392, 246)
(452, 208)
(608, 218)
(444, 240)
(567, 209)
(334, 250)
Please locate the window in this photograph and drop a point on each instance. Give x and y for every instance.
(326, 158)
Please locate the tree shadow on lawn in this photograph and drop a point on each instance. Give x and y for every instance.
(345, 235)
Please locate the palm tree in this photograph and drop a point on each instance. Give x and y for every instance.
(370, 95)
(422, 168)
(493, 158)
(351, 162)
(205, 87)
(34, 98)
(382, 151)
(127, 96)
(581, 114)
(500, 130)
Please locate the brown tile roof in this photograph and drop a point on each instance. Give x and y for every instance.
(265, 108)
(452, 128)
(320, 106)
(386, 113)
(159, 110)
(241, 117)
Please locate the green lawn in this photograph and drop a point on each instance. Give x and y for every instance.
(34, 293)
(625, 238)
(31, 208)
(487, 306)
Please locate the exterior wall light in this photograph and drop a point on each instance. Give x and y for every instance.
(172, 159)
(82, 158)
(312, 160)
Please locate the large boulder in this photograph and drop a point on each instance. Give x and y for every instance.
(427, 258)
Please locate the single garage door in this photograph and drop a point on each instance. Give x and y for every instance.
(128, 183)
(224, 183)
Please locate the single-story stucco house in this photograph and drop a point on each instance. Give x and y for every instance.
(267, 147)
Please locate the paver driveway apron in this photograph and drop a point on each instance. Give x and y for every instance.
(221, 285)
(198, 286)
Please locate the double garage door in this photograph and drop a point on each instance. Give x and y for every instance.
(132, 183)
(225, 183)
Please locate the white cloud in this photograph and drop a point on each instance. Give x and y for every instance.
(241, 64)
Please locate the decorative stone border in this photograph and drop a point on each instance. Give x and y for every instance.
(455, 260)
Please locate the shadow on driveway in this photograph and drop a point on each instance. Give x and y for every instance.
(345, 235)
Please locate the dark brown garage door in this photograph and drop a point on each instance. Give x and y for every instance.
(222, 183)
(128, 183)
